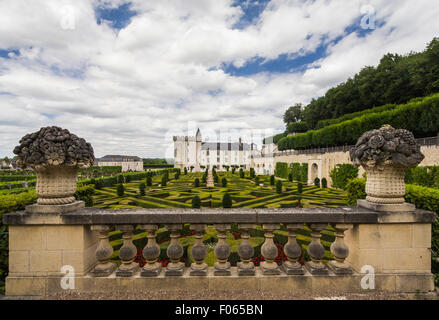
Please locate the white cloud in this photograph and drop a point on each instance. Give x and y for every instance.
(135, 87)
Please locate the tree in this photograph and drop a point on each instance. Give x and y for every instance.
(196, 202)
(120, 190)
(293, 114)
(272, 180)
(224, 182)
(227, 201)
(196, 182)
(241, 173)
(341, 174)
(149, 181)
(185, 170)
(279, 186)
(142, 189)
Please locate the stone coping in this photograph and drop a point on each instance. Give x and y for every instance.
(96, 216)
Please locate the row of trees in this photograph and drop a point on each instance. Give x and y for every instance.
(396, 80)
(421, 116)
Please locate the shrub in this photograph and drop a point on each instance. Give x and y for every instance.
(295, 171)
(120, 179)
(196, 182)
(149, 181)
(233, 170)
(204, 178)
(227, 201)
(85, 194)
(215, 178)
(142, 189)
(304, 172)
(127, 178)
(317, 182)
(324, 183)
(196, 202)
(299, 188)
(356, 189)
(120, 190)
(290, 177)
(281, 170)
(185, 170)
(256, 180)
(298, 127)
(99, 184)
(252, 173)
(241, 173)
(279, 186)
(272, 180)
(164, 180)
(224, 182)
(341, 174)
(177, 175)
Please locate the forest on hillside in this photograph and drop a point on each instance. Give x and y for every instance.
(395, 80)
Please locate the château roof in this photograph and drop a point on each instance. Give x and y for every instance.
(119, 158)
(225, 146)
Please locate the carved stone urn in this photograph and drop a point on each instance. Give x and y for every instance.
(385, 154)
(55, 155)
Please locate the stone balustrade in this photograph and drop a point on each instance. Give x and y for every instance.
(396, 245)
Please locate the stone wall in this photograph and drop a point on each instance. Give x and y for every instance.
(324, 163)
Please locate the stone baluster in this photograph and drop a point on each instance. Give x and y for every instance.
(127, 253)
(175, 252)
(340, 250)
(199, 251)
(269, 251)
(316, 251)
(151, 253)
(104, 252)
(245, 251)
(293, 251)
(222, 252)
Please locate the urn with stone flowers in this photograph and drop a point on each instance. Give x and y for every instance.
(385, 154)
(55, 155)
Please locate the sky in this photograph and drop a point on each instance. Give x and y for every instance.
(129, 75)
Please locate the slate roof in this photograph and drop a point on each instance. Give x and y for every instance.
(119, 158)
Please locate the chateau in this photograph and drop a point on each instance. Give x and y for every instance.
(128, 163)
(192, 152)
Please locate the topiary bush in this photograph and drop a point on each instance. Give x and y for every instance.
(290, 177)
(317, 182)
(85, 194)
(149, 181)
(196, 182)
(224, 182)
(241, 173)
(281, 170)
(356, 189)
(185, 171)
(142, 189)
(120, 190)
(342, 173)
(196, 202)
(164, 180)
(272, 180)
(279, 186)
(299, 188)
(227, 201)
(324, 183)
(252, 173)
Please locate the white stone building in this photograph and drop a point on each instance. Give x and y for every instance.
(193, 152)
(128, 163)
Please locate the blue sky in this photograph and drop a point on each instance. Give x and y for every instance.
(128, 75)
